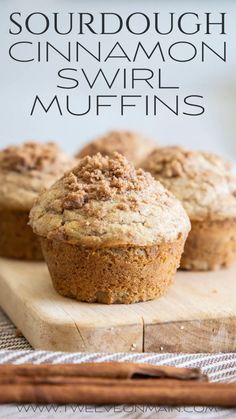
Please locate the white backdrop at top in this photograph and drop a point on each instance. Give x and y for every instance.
(214, 79)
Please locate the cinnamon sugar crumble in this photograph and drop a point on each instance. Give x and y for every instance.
(29, 156)
(126, 143)
(171, 162)
(123, 207)
(102, 178)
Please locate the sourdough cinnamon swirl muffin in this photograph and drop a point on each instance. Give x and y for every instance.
(25, 171)
(130, 144)
(207, 189)
(110, 233)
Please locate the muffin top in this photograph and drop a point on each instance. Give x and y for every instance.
(131, 144)
(202, 181)
(105, 202)
(28, 169)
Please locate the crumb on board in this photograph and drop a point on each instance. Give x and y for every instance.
(133, 346)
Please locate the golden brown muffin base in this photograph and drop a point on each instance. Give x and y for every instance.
(112, 275)
(17, 240)
(210, 245)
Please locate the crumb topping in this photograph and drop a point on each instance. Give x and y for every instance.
(131, 144)
(28, 169)
(202, 181)
(102, 178)
(28, 157)
(105, 201)
(171, 162)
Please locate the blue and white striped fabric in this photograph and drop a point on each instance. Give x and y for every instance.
(219, 367)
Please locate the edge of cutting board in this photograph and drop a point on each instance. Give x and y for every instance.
(198, 314)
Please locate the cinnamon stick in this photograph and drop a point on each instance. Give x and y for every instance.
(111, 383)
(104, 369)
(162, 392)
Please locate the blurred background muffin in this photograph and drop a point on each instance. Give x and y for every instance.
(117, 232)
(25, 171)
(132, 145)
(207, 188)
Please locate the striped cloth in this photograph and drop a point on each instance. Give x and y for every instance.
(219, 367)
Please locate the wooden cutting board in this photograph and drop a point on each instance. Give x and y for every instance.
(198, 314)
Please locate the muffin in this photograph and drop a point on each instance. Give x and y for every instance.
(110, 233)
(130, 144)
(25, 171)
(207, 189)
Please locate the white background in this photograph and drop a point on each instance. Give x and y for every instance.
(215, 80)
